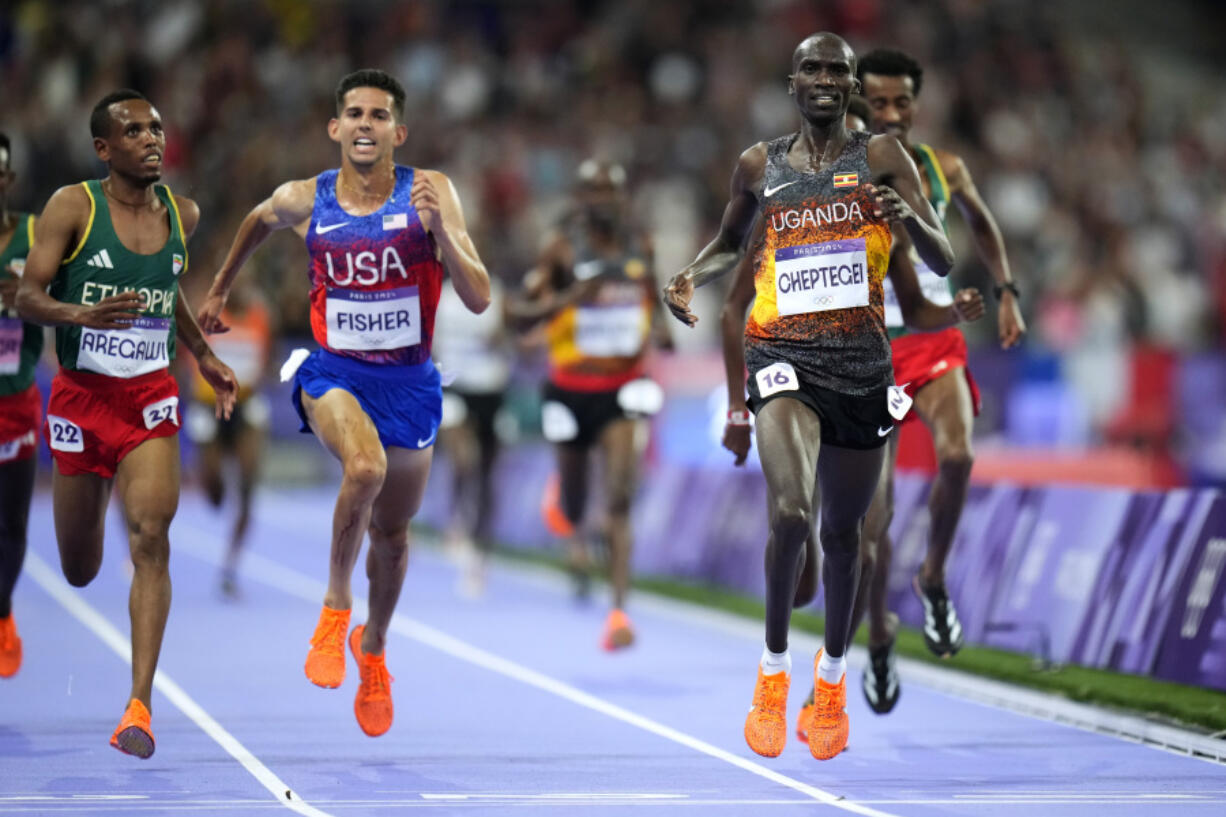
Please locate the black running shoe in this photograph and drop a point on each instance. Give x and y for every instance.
(880, 680)
(942, 630)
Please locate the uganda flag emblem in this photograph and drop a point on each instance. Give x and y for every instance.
(846, 179)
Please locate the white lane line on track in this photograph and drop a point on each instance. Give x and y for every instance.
(292, 582)
(59, 590)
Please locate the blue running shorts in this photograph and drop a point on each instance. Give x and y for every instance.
(404, 402)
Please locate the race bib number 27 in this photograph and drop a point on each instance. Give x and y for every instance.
(161, 411)
(775, 378)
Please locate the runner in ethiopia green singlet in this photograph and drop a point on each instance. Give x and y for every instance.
(102, 266)
(20, 343)
(936, 289)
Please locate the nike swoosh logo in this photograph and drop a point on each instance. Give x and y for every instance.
(427, 441)
(770, 191)
(321, 229)
(881, 432)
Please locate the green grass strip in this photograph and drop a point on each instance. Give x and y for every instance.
(1166, 701)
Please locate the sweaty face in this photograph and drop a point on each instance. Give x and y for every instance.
(136, 144)
(366, 126)
(893, 102)
(823, 79)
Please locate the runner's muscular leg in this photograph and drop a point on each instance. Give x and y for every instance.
(946, 408)
(876, 554)
(848, 480)
(210, 471)
(789, 437)
(388, 557)
(79, 504)
(16, 488)
(806, 580)
(248, 450)
(344, 428)
(620, 483)
(147, 482)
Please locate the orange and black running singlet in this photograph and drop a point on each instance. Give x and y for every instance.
(818, 273)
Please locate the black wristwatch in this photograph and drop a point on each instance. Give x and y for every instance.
(999, 289)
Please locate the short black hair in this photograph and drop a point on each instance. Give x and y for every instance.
(7, 147)
(372, 78)
(887, 62)
(100, 120)
(858, 106)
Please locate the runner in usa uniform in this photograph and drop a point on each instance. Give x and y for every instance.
(247, 349)
(932, 368)
(20, 410)
(113, 252)
(380, 237)
(817, 355)
(595, 289)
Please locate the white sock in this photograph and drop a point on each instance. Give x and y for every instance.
(774, 663)
(831, 669)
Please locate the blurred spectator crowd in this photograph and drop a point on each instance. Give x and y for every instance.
(1102, 155)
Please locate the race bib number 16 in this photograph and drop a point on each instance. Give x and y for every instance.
(777, 377)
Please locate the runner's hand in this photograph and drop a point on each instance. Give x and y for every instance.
(1009, 319)
(424, 197)
(677, 297)
(114, 312)
(888, 205)
(209, 316)
(968, 305)
(737, 440)
(224, 383)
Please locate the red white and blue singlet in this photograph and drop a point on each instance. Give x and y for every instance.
(375, 280)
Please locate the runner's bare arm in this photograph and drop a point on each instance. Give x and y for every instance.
(56, 235)
(217, 374)
(549, 287)
(439, 207)
(989, 243)
(732, 333)
(290, 205)
(903, 201)
(919, 313)
(721, 255)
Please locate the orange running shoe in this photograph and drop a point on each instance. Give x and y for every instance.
(134, 736)
(618, 631)
(325, 663)
(805, 718)
(10, 648)
(373, 704)
(766, 725)
(551, 509)
(829, 727)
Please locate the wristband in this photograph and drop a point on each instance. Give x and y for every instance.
(999, 289)
(738, 417)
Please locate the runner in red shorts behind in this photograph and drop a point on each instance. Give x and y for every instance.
(20, 408)
(112, 252)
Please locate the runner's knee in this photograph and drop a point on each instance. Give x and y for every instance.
(393, 538)
(366, 470)
(791, 520)
(956, 459)
(148, 543)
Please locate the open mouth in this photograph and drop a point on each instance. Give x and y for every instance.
(364, 143)
(824, 100)
(152, 159)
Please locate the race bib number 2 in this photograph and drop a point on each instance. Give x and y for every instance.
(775, 378)
(161, 411)
(65, 434)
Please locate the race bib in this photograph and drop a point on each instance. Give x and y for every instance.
(141, 348)
(65, 435)
(821, 277)
(610, 331)
(374, 320)
(11, 332)
(897, 401)
(777, 377)
(934, 287)
(161, 411)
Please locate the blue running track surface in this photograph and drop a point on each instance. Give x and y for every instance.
(505, 704)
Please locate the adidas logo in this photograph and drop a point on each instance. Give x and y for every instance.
(101, 259)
